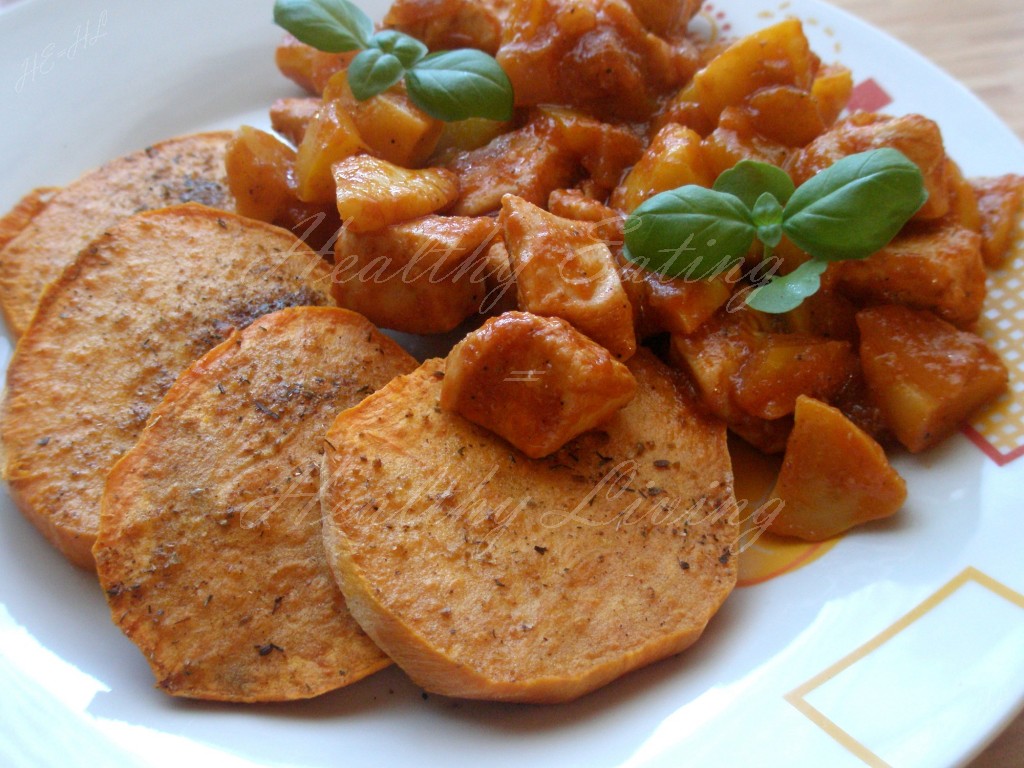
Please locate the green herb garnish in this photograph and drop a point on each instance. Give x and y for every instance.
(849, 210)
(448, 85)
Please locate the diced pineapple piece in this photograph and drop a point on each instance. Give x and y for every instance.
(834, 476)
(306, 66)
(673, 159)
(831, 91)
(927, 376)
(373, 193)
(389, 124)
(259, 173)
(562, 270)
(536, 381)
(713, 357)
(827, 314)
(290, 117)
(787, 366)
(666, 18)
(916, 137)
(526, 162)
(1000, 201)
(419, 276)
(467, 135)
(331, 136)
(785, 114)
(681, 306)
(735, 139)
(775, 55)
(937, 268)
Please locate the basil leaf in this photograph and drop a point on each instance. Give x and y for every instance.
(689, 232)
(767, 215)
(327, 25)
(855, 206)
(373, 72)
(749, 179)
(787, 292)
(458, 85)
(406, 49)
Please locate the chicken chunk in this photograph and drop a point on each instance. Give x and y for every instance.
(419, 276)
(916, 137)
(937, 268)
(527, 162)
(591, 54)
(535, 381)
(448, 24)
(563, 270)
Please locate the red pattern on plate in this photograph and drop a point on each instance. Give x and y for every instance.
(868, 96)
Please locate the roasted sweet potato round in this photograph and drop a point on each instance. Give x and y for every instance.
(137, 306)
(210, 549)
(186, 169)
(488, 575)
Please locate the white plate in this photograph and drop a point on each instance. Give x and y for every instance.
(902, 645)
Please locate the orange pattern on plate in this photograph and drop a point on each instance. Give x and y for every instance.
(762, 555)
(999, 430)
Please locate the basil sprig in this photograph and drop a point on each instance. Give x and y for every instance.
(448, 85)
(849, 210)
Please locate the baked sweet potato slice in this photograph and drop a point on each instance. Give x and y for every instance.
(111, 335)
(487, 575)
(209, 548)
(187, 169)
(13, 222)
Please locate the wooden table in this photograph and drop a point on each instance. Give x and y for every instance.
(980, 43)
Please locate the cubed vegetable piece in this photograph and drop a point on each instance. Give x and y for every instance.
(775, 55)
(674, 158)
(833, 477)
(389, 124)
(450, 24)
(916, 137)
(787, 366)
(592, 54)
(373, 193)
(330, 137)
(419, 276)
(999, 202)
(563, 270)
(527, 162)
(290, 117)
(939, 268)
(926, 376)
(535, 381)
